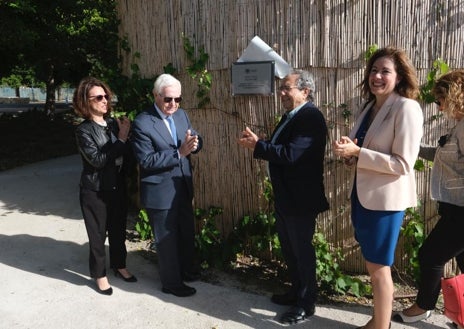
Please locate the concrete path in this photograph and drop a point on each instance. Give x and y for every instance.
(44, 280)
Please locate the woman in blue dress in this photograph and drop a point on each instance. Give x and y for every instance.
(382, 149)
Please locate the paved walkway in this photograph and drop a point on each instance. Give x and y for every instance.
(44, 280)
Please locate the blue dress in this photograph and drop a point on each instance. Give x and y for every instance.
(376, 231)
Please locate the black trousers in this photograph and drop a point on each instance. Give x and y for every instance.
(296, 235)
(105, 211)
(174, 231)
(443, 243)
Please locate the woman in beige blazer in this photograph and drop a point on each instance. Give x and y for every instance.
(382, 149)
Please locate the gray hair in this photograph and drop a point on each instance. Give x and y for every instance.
(305, 80)
(163, 81)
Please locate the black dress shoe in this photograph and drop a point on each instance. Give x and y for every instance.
(297, 314)
(181, 291)
(132, 278)
(107, 292)
(284, 299)
(191, 276)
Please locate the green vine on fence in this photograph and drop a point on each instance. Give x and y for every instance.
(414, 233)
(439, 67)
(197, 71)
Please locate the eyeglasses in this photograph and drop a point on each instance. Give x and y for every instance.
(99, 98)
(169, 99)
(286, 88)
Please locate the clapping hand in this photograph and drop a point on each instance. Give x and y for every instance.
(124, 128)
(189, 145)
(248, 139)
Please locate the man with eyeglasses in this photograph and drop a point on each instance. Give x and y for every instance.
(163, 141)
(295, 154)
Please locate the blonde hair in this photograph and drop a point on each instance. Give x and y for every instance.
(450, 89)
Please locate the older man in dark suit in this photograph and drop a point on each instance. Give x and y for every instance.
(163, 140)
(295, 154)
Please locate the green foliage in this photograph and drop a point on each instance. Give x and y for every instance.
(439, 67)
(143, 227)
(370, 51)
(134, 92)
(329, 275)
(208, 241)
(13, 81)
(21, 77)
(58, 40)
(256, 235)
(197, 71)
(419, 165)
(346, 113)
(414, 234)
(169, 69)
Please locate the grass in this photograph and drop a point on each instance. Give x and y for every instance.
(33, 136)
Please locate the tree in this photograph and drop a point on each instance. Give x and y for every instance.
(58, 40)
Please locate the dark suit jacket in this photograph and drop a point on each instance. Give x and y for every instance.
(162, 172)
(296, 163)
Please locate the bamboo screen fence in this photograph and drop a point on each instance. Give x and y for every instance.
(328, 38)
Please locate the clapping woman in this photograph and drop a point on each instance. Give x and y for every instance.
(102, 144)
(382, 149)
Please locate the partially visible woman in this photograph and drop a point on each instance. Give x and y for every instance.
(446, 240)
(383, 147)
(101, 141)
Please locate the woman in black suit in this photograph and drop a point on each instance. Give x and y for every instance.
(101, 141)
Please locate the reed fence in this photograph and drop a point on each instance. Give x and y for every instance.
(327, 38)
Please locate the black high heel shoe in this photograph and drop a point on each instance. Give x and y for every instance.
(118, 274)
(107, 292)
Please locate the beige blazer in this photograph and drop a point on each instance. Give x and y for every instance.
(385, 178)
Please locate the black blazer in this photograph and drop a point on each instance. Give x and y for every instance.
(99, 154)
(296, 163)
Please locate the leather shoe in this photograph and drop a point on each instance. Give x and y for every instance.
(118, 274)
(181, 291)
(401, 317)
(296, 314)
(284, 299)
(107, 292)
(191, 276)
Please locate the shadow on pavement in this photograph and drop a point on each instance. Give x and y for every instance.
(46, 188)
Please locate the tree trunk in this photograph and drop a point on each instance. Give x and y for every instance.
(50, 93)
